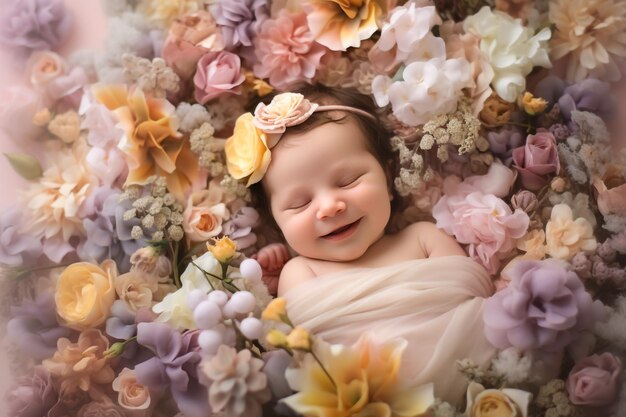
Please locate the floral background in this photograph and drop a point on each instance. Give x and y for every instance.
(120, 300)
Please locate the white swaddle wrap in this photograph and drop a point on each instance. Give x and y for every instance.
(436, 304)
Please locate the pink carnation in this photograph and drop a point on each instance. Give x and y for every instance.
(482, 221)
(217, 74)
(287, 51)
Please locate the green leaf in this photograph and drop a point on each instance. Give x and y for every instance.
(25, 165)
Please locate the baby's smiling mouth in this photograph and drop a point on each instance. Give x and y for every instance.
(342, 232)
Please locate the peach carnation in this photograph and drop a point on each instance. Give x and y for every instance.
(565, 236)
(286, 50)
(590, 35)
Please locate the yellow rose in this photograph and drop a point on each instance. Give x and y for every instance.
(224, 249)
(85, 293)
(246, 151)
(275, 310)
(507, 402)
(299, 338)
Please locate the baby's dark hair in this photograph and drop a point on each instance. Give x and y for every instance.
(378, 137)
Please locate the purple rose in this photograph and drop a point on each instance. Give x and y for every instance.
(545, 307)
(29, 25)
(32, 395)
(537, 160)
(217, 74)
(594, 380)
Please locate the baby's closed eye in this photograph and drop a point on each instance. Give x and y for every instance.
(349, 180)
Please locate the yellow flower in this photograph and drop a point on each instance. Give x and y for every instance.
(565, 235)
(276, 338)
(223, 249)
(151, 142)
(300, 339)
(361, 380)
(85, 293)
(247, 154)
(275, 310)
(531, 104)
(507, 402)
(533, 244)
(340, 24)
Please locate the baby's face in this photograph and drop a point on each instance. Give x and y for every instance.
(328, 193)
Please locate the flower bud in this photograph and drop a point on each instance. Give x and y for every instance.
(300, 339)
(223, 249)
(275, 310)
(276, 338)
(524, 200)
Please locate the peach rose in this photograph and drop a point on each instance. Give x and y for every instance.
(44, 66)
(203, 216)
(190, 37)
(286, 109)
(507, 402)
(85, 293)
(611, 191)
(136, 289)
(565, 236)
(247, 153)
(131, 394)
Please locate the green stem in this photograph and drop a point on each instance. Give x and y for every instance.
(206, 275)
(29, 271)
(175, 250)
(323, 368)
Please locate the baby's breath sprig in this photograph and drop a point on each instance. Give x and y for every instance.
(209, 149)
(160, 214)
(152, 77)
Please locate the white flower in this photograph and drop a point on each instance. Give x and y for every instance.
(429, 88)
(513, 49)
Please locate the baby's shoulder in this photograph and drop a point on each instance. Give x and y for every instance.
(432, 240)
(295, 271)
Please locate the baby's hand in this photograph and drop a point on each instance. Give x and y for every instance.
(272, 258)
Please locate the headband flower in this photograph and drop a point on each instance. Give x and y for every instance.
(248, 149)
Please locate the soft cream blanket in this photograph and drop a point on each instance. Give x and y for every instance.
(435, 304)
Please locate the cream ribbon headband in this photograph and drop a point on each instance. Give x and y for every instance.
(248, 149)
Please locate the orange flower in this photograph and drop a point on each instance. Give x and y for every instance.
(340, 24)
(151, 141)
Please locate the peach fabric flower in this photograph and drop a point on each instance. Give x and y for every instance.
(136, 289)
(340, 24)
(151, 142)
(565, 236)
(286, 109)
(43, 67)
(217, 74)
(190, 37)
(611, 189)
(247, 153)
(533, 244)
(286, 50)
(131, 394)
(204, 214)
(83, 363)
(506, 402)
(85, 293)
(595, 380)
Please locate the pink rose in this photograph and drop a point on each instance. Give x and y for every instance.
(189, 38)
(44, 66)
(286, 109)
(204, 214)
(217, 74)
(537, 160)
(594, 380)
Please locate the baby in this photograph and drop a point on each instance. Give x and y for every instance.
(322, 166)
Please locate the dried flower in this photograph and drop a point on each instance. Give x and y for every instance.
(154, 77)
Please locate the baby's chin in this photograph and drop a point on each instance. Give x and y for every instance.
(341, 255)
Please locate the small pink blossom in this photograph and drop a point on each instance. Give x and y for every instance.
(44, 66)
(217, 74)
(594, 380)
(287, 51)
(481, 220)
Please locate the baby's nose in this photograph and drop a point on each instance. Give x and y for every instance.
(330, 207)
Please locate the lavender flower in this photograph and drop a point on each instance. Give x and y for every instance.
(33, 327)
(239, 228)
(544, 308)
(503, 141)
(589, 95)
(29, 25)
(16, 248)
(550, 88)
(240, 20)
(114, 209)
(121, 324)
(174, 365)
(32, 395)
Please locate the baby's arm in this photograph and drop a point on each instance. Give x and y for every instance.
(295, 272)
(435, 242)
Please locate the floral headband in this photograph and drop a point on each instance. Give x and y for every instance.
(248, 149)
